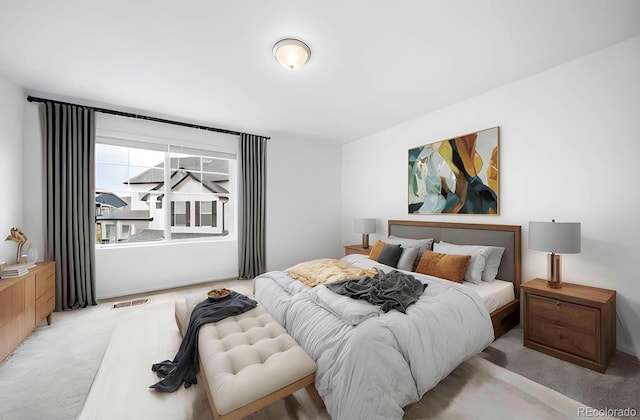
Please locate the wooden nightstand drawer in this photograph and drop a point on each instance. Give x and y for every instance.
(561, 338)
(569, 315)
(575, 323)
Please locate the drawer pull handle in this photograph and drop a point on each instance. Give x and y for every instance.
(558, 305)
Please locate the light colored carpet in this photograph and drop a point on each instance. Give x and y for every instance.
(49, 375)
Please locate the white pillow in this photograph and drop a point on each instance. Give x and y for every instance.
(493, 259)
(478, 260)
(493, 263)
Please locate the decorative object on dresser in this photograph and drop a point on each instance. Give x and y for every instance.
(457, 175)
(364, 226)
(356, 249)
(24, 302)
(18, 236)
(556, 238)
(576, 323)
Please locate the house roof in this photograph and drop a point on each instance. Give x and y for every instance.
(180, 176)
(106, 198)
(193, 163)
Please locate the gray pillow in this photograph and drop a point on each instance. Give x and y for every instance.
(408, 258)
(390, 255)
(421, 244)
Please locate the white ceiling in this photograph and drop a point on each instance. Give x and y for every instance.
(374, 63)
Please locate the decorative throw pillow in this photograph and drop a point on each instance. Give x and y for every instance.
(375, 250)
(446, 266)
(492, 264)
(408, 258)
(478, 258)
(390, 255)
(421, 244)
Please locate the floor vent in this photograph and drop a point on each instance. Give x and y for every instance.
(130, 303)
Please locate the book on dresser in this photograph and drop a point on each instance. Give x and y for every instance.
(16, 270)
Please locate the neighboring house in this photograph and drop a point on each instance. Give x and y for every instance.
(115, 221)
(199, 192)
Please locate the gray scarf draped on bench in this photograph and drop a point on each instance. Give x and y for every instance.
(394, 290)
(184, 367)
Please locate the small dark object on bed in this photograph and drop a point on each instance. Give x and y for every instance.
(394, 290)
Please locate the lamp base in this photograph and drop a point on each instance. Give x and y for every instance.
(554, 272)
(365, 240)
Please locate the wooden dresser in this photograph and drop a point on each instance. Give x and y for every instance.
(24, 302)
(575, 323)
(356, 249)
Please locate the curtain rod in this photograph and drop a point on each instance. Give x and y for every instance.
(143, 117)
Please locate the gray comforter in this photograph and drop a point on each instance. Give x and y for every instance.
(371, 364)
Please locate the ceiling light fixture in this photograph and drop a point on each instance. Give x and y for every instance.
(291, 53)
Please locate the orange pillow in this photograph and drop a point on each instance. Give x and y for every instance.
(375, 250)
(446, 266)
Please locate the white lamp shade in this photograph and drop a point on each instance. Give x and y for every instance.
(291, 53)
(560, 238)
(364, 226)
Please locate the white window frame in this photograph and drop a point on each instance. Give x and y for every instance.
(118, 138)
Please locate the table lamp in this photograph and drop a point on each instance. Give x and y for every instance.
(365, 226)
(556, 238)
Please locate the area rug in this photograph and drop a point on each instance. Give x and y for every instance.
(477, 389)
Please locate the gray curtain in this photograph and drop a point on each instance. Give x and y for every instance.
(253, 179)
(69, 142)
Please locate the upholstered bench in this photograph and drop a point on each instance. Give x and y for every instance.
(248, 362)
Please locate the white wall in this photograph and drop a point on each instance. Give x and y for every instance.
(11, 189)
(569, 150)
(303, 201)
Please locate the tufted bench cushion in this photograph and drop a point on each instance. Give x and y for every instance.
(248, 361)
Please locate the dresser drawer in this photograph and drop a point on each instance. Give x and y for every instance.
(565, 339)
(45, 280)
(44, 305)
(577, 317)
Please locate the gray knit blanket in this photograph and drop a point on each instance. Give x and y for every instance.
(394, 290)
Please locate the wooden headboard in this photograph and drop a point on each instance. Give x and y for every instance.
(507, 236)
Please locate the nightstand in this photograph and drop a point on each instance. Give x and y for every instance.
(356, 249)
(575, 323)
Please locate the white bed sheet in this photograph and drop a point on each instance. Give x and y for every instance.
(494, 294)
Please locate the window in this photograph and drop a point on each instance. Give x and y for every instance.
(206, 213)
(132, 184)
(180, 212)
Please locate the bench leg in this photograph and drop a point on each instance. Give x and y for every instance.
(313, 393)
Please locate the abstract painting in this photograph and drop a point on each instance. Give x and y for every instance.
(456, 176)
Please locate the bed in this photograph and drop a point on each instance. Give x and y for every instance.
(372, 364)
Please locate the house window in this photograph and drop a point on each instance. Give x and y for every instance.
(132, 183)
(206, 213)
(180, 213)
(126, 231)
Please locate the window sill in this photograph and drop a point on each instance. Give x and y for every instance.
(229, 238)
